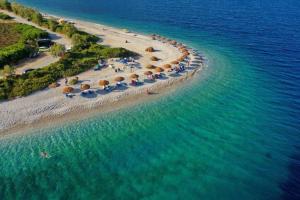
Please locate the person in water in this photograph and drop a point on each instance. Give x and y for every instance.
(44, 154)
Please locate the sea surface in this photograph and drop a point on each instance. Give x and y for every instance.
(231, 133)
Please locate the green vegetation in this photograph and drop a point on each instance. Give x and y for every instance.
(4, 16)
(84, 55)
(57, 50)
(7, 71)
(8, 35)
(5, 5)
(18, 41)
(73, 81)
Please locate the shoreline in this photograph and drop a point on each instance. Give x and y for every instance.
(58, 109)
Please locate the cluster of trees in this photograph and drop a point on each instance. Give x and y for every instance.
(84, 55)
(24, 47)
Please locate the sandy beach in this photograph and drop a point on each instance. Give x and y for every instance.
(51, 104)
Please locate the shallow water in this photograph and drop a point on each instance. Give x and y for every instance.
(232, 133)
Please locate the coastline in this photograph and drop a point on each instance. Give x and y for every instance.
(47, 105)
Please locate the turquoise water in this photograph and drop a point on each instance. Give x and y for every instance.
(232, 133)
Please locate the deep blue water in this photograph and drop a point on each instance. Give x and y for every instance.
(233, 133)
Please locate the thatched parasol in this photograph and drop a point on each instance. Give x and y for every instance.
(134, 76)
(150, 49)
(175, 62)
(180, 59)
(186, 53)
(159, 69)
(119, 79)
(167, 66)
(154, 58)
(150, 66)
(67, 90)
(85, 87)
(173, 42)
(103, 82)
(147, 73)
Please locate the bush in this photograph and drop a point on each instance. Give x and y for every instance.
(5, 17)
(73, 81)
(57, 50)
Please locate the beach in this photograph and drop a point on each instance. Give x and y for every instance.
(52, 105)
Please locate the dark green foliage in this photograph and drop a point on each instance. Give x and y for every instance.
(4, 4)
(5, 17)
(23, 47)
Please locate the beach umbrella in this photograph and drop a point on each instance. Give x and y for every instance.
(167, 66)
(68, 89)
(150, 66)
(175, 62)
(154, 58)
(148, 73)
(186, 53)
(173, 42)
(85, 87)
(150, 49)
(180, 59)
(134, 76)
(159, 69)
(119, 79)
(103, 82)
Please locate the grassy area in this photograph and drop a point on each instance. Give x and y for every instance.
(8, 34)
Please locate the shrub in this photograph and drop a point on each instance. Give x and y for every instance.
(57, 49)
(4, 16)
(73, 81)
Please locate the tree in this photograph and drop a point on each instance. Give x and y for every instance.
(52, 24)
(7, 71)
(4, 4)
(37, 18)
(57, 49)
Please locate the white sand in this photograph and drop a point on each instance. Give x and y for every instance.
(51, 103)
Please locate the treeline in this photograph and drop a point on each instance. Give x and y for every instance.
(84, 54)
(26, 44)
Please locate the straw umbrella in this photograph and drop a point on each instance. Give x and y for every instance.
(186, 53)
(154, 58)
(159, 69)
(173, 42)
(167, 66)
(68, 89)
(148, 73)
(150, 66)
(150, 49)
(119, 79)
(134, 76)
(85, 87)
(103, 83)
